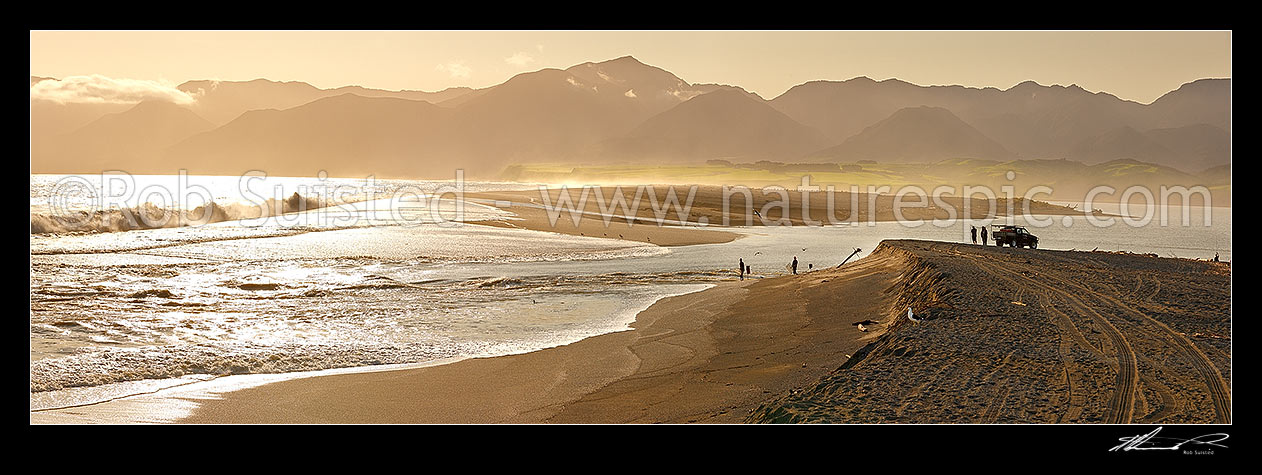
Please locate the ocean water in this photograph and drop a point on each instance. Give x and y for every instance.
(360, 282)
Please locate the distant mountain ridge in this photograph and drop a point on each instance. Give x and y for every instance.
(917, 135)
(624, 109)
(222, 101)
(335, 133)
(131, 139)
(725, 123)
(1030, 119)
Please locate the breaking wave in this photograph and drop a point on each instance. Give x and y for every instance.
(148, 216)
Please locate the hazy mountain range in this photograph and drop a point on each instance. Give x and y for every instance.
(620, 110)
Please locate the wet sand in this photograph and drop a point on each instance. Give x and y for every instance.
(711, 356)
(1004, 336)
(537, 219)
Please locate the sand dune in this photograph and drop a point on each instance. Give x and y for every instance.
(1036, 337)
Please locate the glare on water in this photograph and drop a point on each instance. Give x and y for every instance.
(147, 308)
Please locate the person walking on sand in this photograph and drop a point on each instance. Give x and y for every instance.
(974, 234)
(795, 265)
(983, 235)
(742, 268)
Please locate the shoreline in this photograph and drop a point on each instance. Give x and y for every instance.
(170, 403)
(786, 349)
(665, 235)
(671, 353)
(170, 400)
(1054, 337)
(704, 221)
(706, 205)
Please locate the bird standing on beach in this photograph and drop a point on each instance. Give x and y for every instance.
(913, 317)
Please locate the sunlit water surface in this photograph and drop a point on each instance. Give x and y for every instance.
(117, 313)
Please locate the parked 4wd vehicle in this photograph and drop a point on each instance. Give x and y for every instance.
(1015, 236)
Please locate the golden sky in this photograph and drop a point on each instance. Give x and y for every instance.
(1135, 65)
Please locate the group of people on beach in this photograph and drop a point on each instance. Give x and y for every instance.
(983, 235)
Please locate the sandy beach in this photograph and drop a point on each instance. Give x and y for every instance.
(711, 356)
(1005, 336)
(867, 229)
(788, 349)
(707, 207)
(672, 228)
(537, 219)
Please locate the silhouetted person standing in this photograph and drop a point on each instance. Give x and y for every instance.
(983, 235)
(795, 265)
(974, 234)
(742, 268)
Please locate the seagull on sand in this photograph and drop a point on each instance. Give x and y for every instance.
(913, 317)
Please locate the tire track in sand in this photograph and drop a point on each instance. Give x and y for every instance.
(1069, 336)
(1209, 374)
(991, 414)
(1122, 405)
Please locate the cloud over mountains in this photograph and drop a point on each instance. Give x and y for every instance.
(101, 89)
